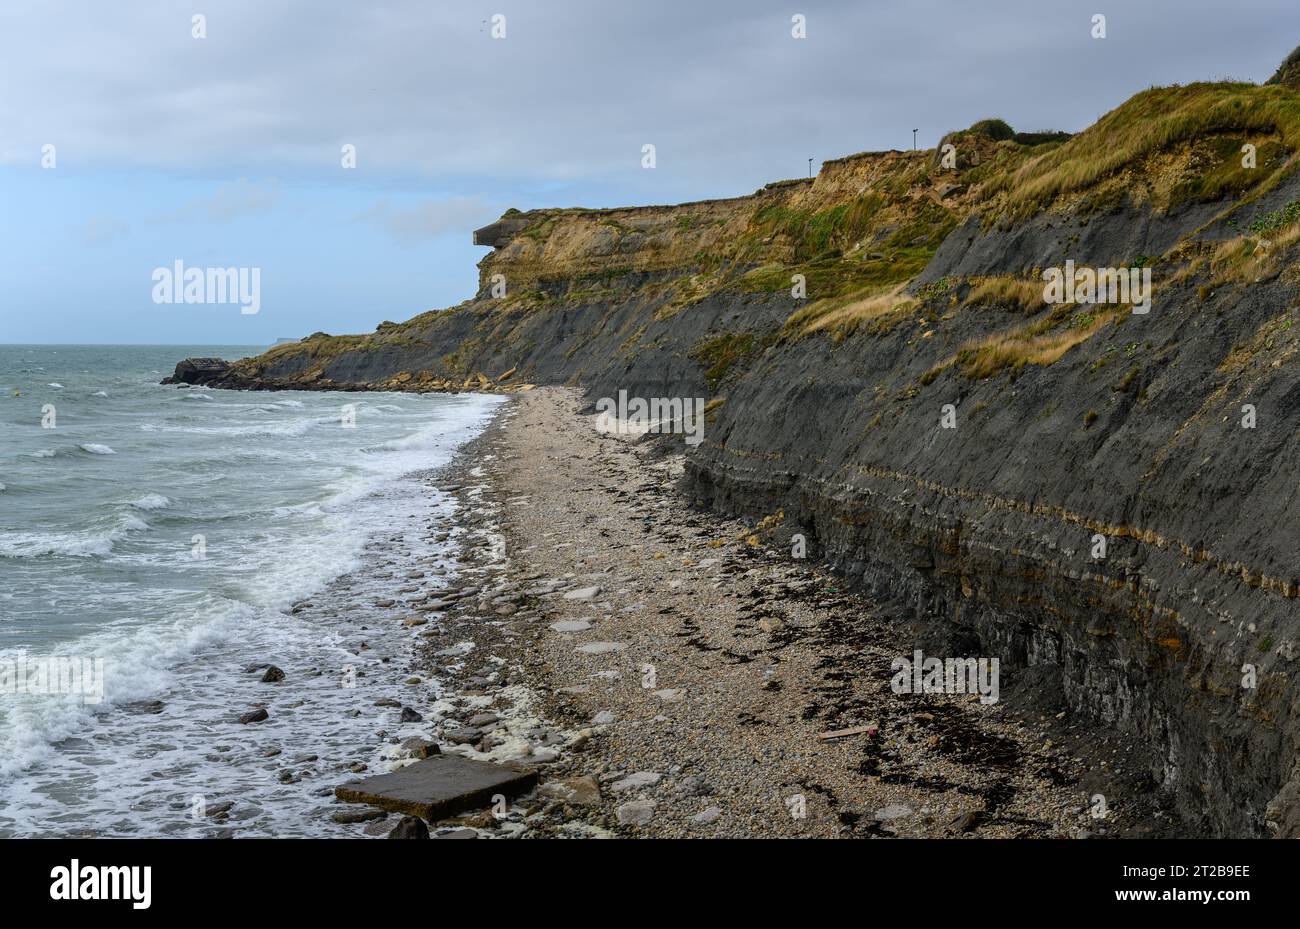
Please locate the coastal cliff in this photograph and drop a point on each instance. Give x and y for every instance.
(1104, 499)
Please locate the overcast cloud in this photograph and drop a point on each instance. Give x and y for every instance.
(576, 88)
(431, 218)
(230, 149)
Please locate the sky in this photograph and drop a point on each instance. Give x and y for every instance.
(227, 149)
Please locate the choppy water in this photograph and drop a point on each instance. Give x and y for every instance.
(166, 531)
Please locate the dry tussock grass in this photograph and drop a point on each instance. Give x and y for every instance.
(877, 312)
(1150, 122)
(1025, 294)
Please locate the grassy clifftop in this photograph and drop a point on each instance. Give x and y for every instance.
(1165, 147)
(1168, 145)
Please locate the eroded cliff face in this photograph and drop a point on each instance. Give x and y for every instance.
(570, 296)
(942, 434)
(986, 532)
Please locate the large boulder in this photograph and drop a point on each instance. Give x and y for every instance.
(438, 787)
(410, 827)
(198, 371)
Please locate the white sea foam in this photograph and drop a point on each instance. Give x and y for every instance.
(283, 516)
(293, 427)
(39, 544)
(133, 523)
(151, 502)
(136, 667)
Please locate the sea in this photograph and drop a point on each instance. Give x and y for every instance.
(154, 541)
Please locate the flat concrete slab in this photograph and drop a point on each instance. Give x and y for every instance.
(438, 787)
